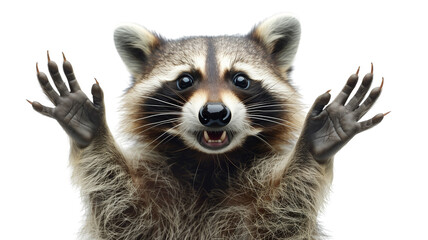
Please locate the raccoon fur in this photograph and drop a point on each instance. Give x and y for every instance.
(216, 144)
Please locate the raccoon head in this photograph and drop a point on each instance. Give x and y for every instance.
(212, 95)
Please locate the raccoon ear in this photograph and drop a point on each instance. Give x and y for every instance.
(280, 36)
(135, 44)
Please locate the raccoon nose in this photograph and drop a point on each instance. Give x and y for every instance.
(214, 115)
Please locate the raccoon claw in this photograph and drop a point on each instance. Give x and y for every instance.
(97, 94)
(78, 116)
(329, 127)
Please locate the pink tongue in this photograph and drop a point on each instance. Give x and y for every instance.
(214, 135)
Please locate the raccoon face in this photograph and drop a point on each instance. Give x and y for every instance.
(212, 94)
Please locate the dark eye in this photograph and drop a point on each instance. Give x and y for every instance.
(241, 81)
(184, 81)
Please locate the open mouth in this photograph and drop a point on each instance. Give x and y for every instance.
(214, 139)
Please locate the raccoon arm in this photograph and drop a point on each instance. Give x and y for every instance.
(102, 160)
(300, 185)
(104, 177)
(99, 166)
(328, 127)
(299, 172)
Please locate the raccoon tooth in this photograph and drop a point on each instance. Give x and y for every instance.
(206, 137)
(223, 136)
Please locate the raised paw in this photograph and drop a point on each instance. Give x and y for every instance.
(328, 129)
(77, 115)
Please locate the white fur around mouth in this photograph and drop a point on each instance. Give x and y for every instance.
(214, 139)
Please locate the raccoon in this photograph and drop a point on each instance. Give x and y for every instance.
(217, 145)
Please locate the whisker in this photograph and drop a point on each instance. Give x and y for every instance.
(154, 105)
(272, 121)
(265, 105)
(291, 127)
(231, 162)
(196, 173)
(181, 149)
(162, 101)
(228, 171)
(218, 162)
(266, 111)
(277, 105)
(156, 115)
(276, 101)
(161, 136)
(176, 100)
(258, 124)
(166, 112)
(261, 139)
(156, 124)
(174, 135)
(270, 117)
(145, 130)
(169, 137)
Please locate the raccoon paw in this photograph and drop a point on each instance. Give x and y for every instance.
(76, 114)
(328, 129)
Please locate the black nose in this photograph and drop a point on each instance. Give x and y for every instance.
(214, 115)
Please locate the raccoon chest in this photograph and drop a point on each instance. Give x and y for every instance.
(224, 223)
(185, 216)
(235, 216)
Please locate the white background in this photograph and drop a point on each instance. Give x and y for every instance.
(380, 186)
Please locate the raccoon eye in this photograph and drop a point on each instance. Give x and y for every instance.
(241, 81)
(184, 81)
